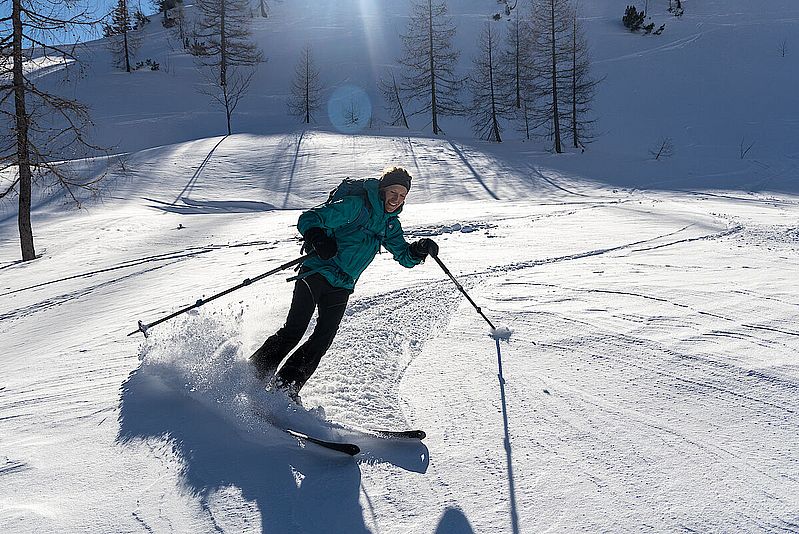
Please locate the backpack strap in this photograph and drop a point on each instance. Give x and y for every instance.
(359, 221)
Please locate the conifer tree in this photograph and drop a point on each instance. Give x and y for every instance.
(565, 88)
(517, 60)
(518, 68)
(430, 61)
(225, 51)
(167, 7)
(490, 98)
(580, 95)
(141, 19)
(391, 94)
(552, 47)
(633, 19)
(174, 16)
(306, 89)
(118, 33)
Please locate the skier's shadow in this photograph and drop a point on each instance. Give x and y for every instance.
(296, 490)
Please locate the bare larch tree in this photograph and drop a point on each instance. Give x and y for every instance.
(517, 58)
(552, 50)
(306, 89)
(391, 94)
(430, 62)
(119, 35)
(580, 93)
(175, 18)
(42, 129)
(227, 55)
(518, 69)
(490, 98)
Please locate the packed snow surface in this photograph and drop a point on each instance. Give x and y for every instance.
(651, 381)
(651, 377)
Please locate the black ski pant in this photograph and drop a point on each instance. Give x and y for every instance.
(310, 292)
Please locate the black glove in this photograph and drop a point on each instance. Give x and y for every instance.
(420, 249)
(316, 240)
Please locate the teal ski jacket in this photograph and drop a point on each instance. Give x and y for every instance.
(357, 244)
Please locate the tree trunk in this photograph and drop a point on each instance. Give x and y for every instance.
(223, 61)
(23, 154)
(517, 62)
(127, 54)
(495, 122)
(574, 82)
(430, 52)
(555, 111)
(228, 111)
(223, 52)
(307, 88)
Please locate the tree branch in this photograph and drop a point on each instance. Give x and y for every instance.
(10, 188)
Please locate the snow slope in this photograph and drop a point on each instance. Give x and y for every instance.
(714, 80)
(650, 383)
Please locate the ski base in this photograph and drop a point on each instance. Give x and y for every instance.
(386, 434)
(346, 448)
(398, 434)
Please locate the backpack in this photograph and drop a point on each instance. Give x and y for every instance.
(351, 187)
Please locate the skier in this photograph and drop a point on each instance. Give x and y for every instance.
(345, 234)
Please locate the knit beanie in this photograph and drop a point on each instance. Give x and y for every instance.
(395, 176)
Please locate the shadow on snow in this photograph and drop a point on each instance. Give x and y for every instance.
(297, 488)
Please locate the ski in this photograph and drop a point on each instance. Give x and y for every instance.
(398, 434)
(346, 448)
(338, 446)
(388, 434)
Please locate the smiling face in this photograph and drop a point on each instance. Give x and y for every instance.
(393, 197)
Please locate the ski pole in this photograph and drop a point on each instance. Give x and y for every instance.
(460, 287)
(144, 327)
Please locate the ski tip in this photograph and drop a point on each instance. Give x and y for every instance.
(346, 448)
(414, 434)
(351, 449)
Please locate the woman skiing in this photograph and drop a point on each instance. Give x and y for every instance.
(345, 233)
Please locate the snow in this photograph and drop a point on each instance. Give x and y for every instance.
(645, 368)
(501, 333)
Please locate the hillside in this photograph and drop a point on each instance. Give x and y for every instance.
(715, 77)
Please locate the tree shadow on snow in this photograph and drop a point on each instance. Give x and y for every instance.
(210, 207)
(296, 489)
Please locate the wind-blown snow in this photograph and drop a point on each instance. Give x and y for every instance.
(649, 380)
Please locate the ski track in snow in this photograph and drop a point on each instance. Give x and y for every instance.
(652, 379)
(60, 299)
(728, 392)
(657, 377)
(386, 349)
(379, 339)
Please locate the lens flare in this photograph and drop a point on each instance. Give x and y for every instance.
(349, 109)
